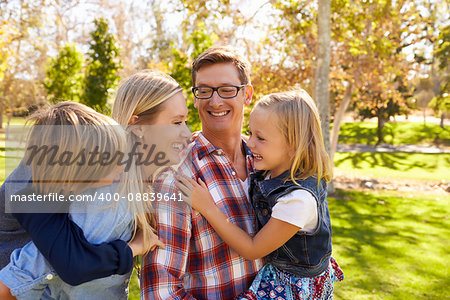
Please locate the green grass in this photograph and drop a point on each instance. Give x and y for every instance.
(391, 246)
(14, 121)
(396, 133)
(395, 165)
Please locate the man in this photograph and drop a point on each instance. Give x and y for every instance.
(196, 263)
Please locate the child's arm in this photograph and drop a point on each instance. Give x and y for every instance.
(5, 293)
(271, 237)
(63, 244)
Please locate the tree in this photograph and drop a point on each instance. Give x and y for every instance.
(102, 67)
(64, 77)
(441, 102)
(25, 54)
(180, 69)
(321, 89)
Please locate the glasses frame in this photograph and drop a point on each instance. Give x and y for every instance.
(216, 89)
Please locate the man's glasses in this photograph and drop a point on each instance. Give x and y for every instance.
(226, 91)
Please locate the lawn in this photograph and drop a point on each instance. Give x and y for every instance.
(396, 133)
(390, 246)
(395, 165)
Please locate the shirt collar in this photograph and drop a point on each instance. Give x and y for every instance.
(203, 147)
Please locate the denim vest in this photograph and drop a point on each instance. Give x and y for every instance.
(305, 254)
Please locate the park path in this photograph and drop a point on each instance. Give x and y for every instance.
(409, 148)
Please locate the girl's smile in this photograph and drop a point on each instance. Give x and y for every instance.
(268, 144)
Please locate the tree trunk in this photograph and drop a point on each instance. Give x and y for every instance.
(321, 89)
(442, 120)
(380, 126)
(338, 116)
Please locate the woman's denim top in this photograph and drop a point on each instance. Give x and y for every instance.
(305, 254)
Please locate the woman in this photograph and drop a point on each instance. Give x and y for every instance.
(146, 98)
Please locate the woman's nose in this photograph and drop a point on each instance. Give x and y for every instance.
(185, 132)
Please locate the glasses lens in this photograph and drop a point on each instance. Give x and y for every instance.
(203, 92)
(228, 91)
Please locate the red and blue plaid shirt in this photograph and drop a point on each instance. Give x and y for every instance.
(196, 262)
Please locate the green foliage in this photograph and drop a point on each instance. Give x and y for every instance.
(442, 51)
(103, 65)
(391, 245)
(441, 103)
(180, 69)
(63, 75)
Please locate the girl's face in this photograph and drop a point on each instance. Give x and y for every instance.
(270, 149)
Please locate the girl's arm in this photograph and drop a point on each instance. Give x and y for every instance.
(271, 237)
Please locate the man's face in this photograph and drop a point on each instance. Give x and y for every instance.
(219, 115)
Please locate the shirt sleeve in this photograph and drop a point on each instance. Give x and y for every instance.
(27, 274)
(163, 269)
(298, 208)
(64, 245)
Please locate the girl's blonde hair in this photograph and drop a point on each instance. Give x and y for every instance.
(299, 122)
(60, 129)
(142, 94)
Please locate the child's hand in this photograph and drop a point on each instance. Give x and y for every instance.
(137, 243)
(195, 194)
(154, 241)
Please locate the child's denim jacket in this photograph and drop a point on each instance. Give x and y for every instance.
(30, 276)
(305, 254)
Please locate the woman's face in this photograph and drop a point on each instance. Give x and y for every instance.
(168, 130)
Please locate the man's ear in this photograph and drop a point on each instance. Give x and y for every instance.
(248, 94)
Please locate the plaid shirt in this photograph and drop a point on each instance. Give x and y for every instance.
(196, 262)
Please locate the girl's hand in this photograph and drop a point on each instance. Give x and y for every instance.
(137, 243)
(195, 194)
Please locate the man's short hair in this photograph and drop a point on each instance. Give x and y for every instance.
(218, 55)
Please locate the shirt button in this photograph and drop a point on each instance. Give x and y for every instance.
(234, 173)
(220, 152)
(49, 277)
(265, 212)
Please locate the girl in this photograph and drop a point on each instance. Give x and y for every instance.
(289, 196)
(145, 98)
(73, 128)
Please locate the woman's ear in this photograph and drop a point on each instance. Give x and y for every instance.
(133, 119)
(138, 131)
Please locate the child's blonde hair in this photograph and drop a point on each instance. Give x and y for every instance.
(142, 94)
(299, 122)
(65, 134)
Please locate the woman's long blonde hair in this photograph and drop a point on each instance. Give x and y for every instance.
(299, 122)
(142, 95)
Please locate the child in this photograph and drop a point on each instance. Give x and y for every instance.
(289, 196)
(74, 128)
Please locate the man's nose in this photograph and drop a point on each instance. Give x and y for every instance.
(215, 99)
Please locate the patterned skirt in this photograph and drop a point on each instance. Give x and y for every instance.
(273, 283)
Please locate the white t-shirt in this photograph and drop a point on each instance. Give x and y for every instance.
(298, 208)
(245, 186)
